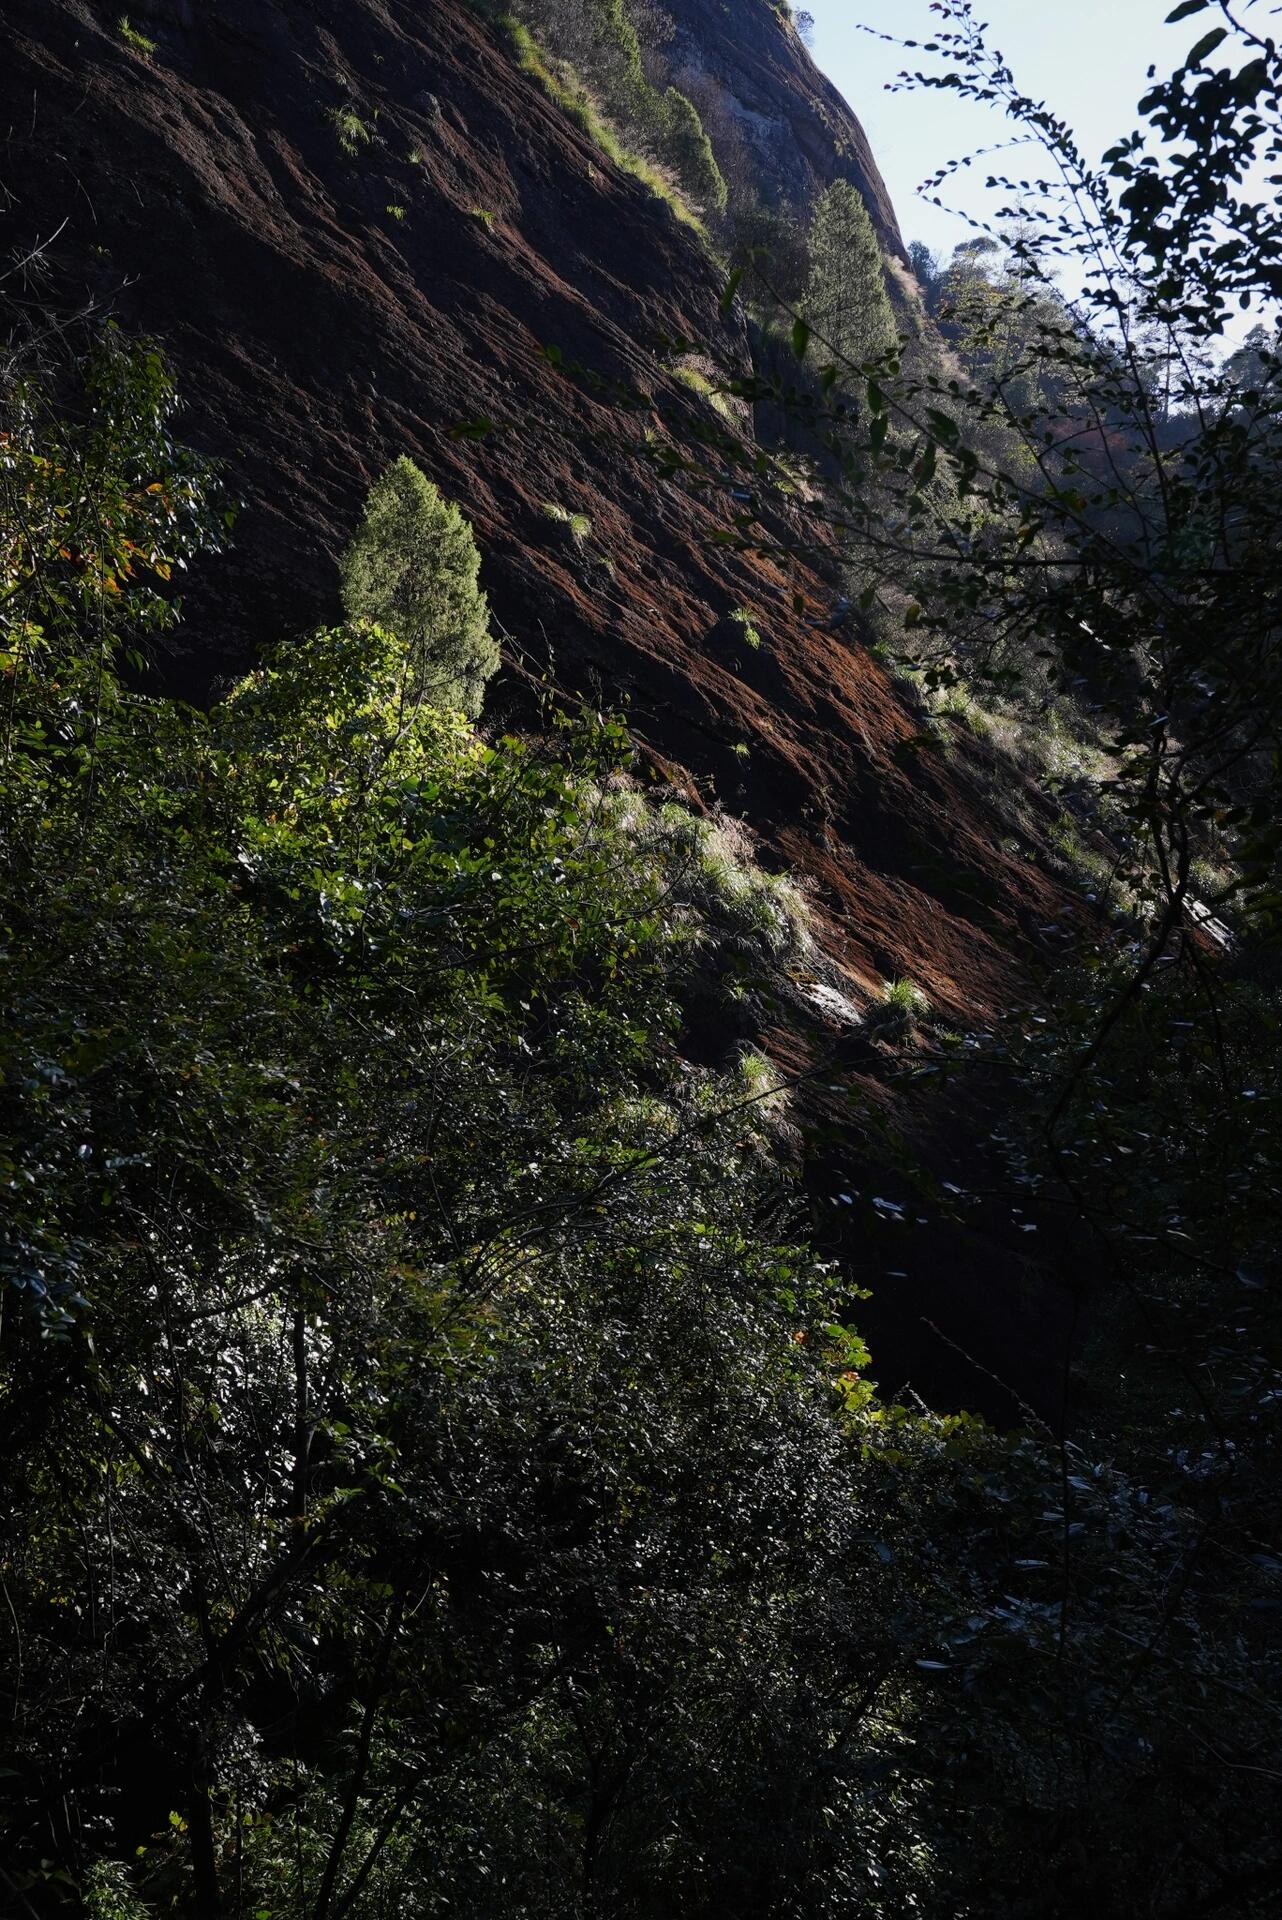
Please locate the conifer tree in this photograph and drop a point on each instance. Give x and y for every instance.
(846, 301)
(412, 567)
(688, 150)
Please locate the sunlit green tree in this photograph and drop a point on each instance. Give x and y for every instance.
(412, 567)
(845, 300)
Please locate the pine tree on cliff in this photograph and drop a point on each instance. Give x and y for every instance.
(846, 301)
(412, 566)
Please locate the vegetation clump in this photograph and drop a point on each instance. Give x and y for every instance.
(747, 626)
(688, 151)
(579, 525)
(714, 879)
(353, 133)
(707, 389)
(895, 1015)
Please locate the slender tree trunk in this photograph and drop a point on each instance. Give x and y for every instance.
(207, 1904)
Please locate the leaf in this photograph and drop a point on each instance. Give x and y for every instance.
(1207, 44)
(1185, 8)
(730, 289)
(800, 338)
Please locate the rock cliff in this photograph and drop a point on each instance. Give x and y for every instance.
(757, 87)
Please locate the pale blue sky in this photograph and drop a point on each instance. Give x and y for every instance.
(1088, 59)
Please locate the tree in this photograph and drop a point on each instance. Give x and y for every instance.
(927, 269)
(85, 554)
(846, 300)
(688, 150)
(412, 567)
(1001, 322)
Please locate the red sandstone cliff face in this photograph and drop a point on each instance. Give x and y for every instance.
(203, 194)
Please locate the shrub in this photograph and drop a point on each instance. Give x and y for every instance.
(742, 618)
(579, 524)
(133, 38)
(412, 567)
(352, 132)
(716, 886)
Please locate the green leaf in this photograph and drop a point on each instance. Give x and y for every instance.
(1207, 44)
(730, 289)
(800, 338)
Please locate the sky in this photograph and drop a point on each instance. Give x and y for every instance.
(1088, 59)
